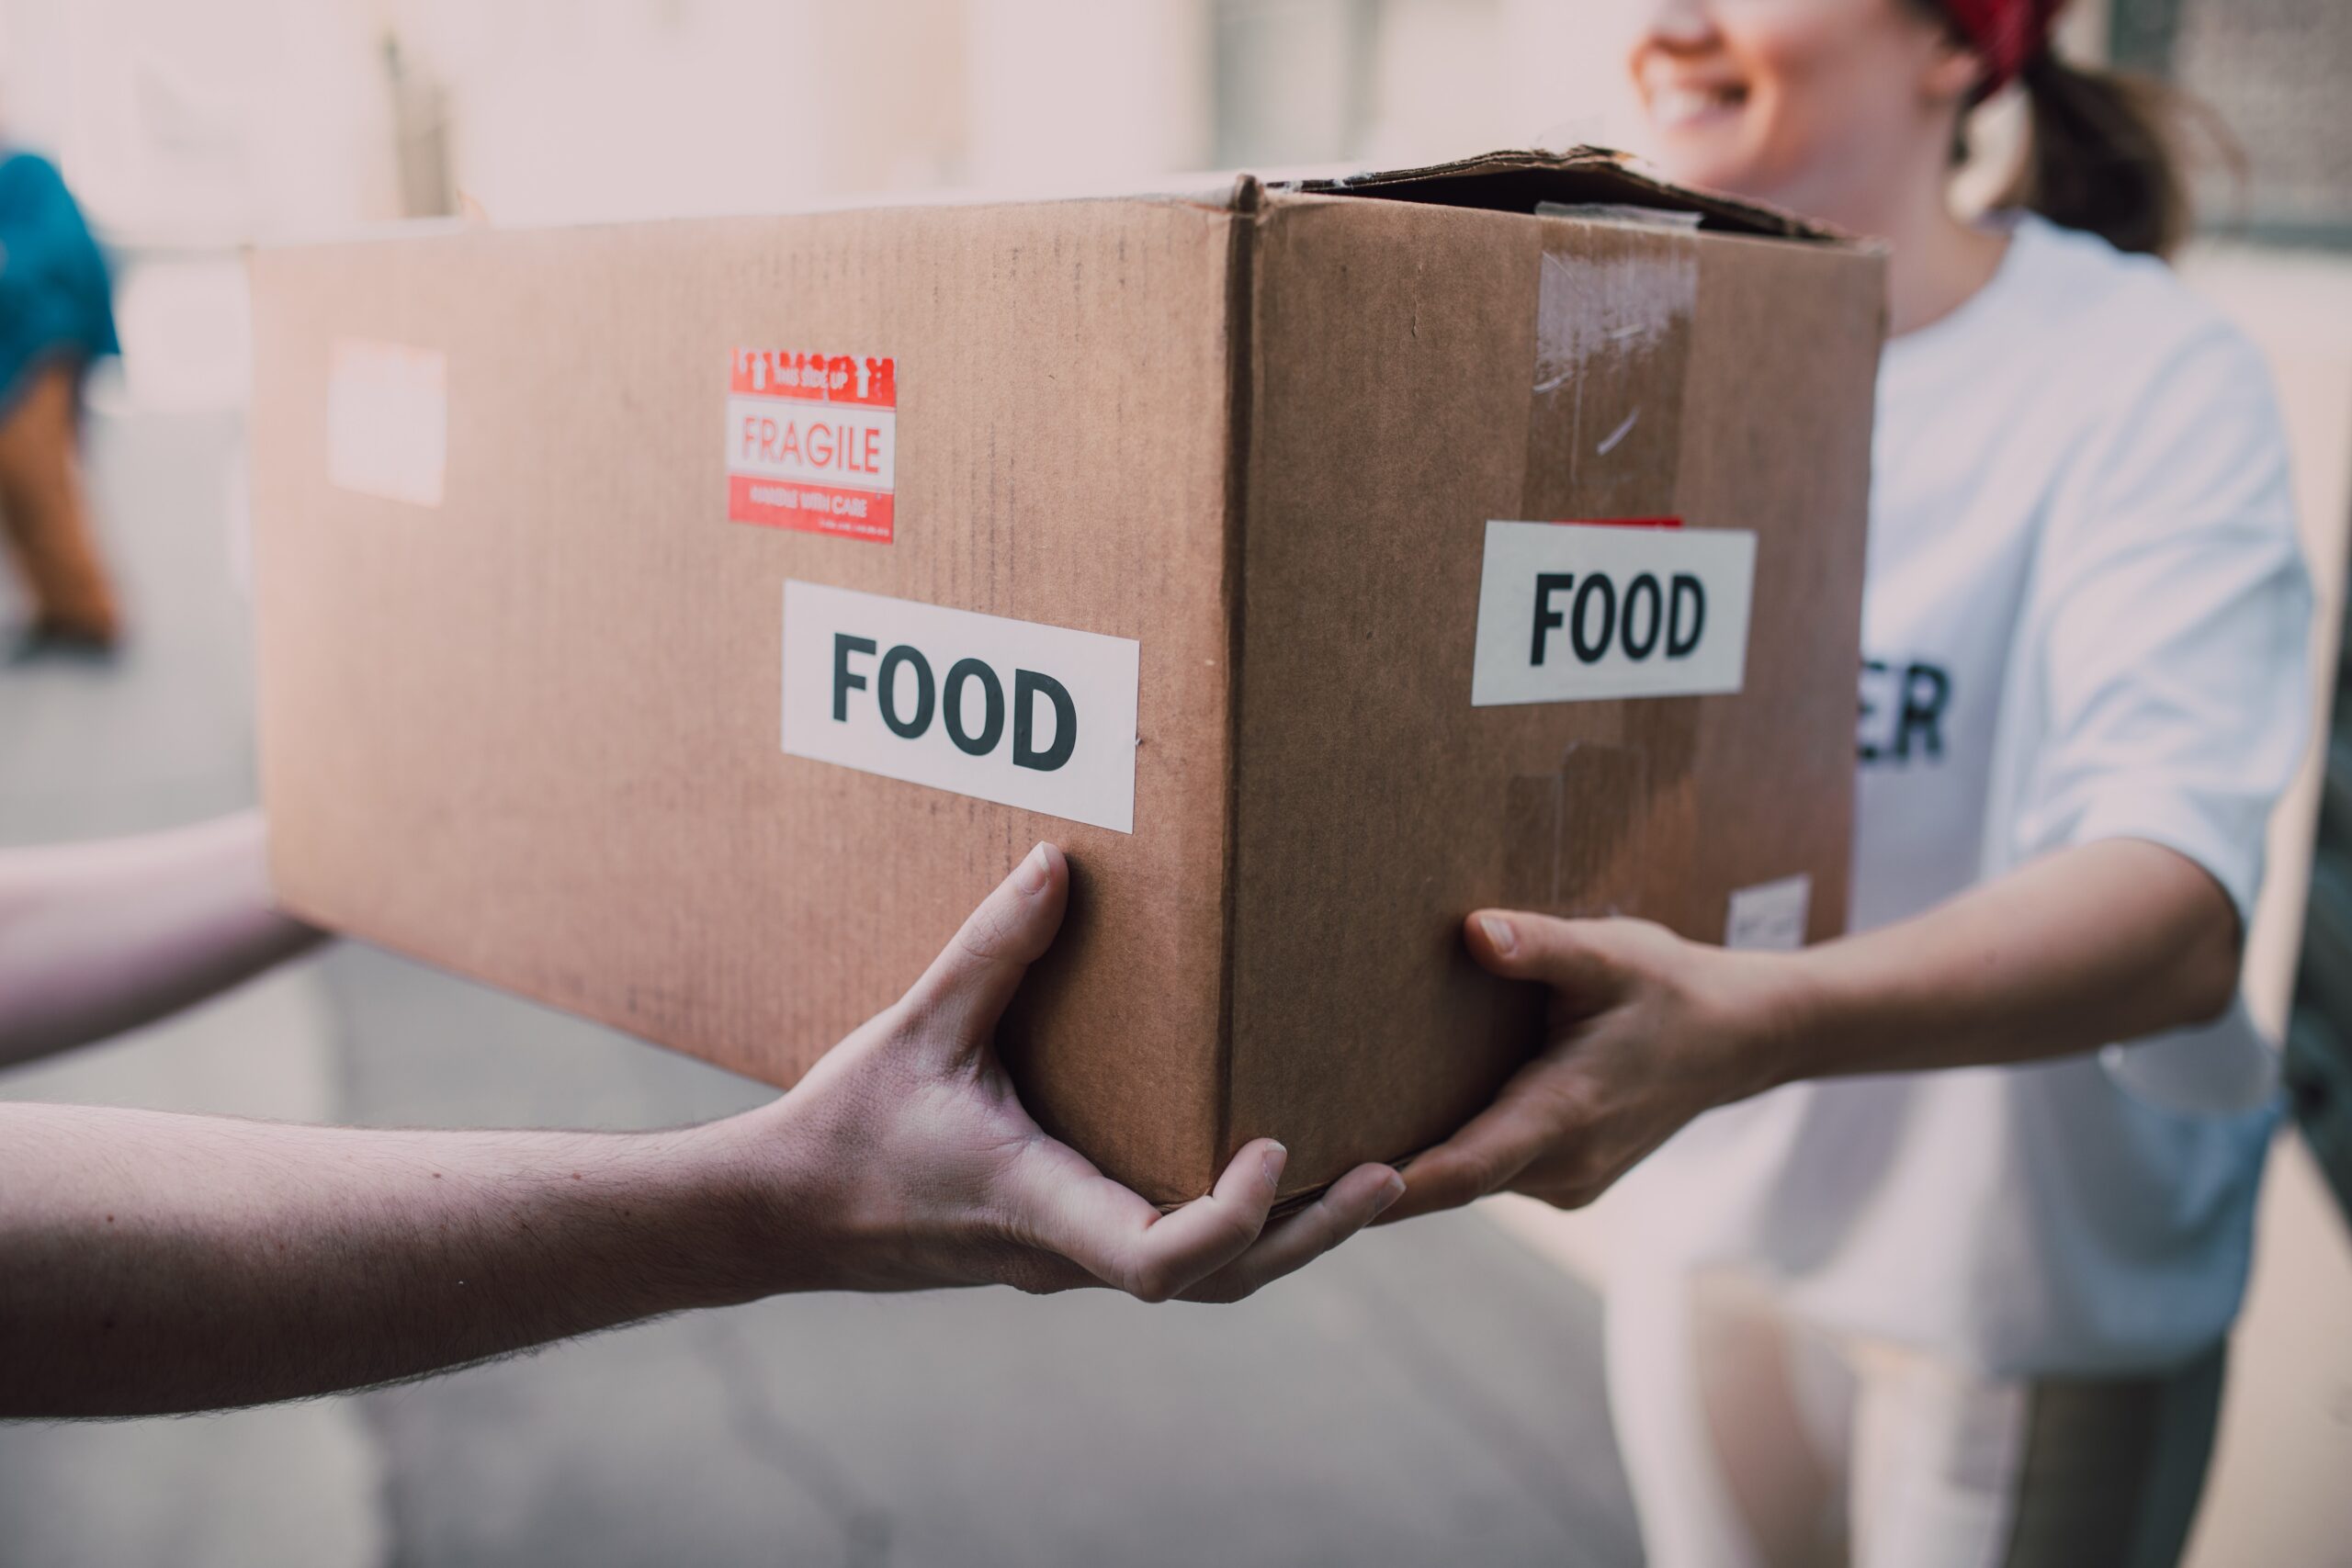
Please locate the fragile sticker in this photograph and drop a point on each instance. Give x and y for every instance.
(1023, 713)
(813, 442)
(1771, 916)
(1571, 612)
(387, 420)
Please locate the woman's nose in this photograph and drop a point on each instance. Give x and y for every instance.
(1673, 22)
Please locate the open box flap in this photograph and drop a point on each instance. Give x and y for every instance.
(1519, 181)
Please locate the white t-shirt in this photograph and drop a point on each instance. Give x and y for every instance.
(2085, 618)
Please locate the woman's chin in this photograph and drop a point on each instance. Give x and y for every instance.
(1712, 154)
(1729, 175)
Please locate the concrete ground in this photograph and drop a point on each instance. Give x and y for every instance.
(1430, 1393)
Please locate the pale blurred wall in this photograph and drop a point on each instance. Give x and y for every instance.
(210, 121)
(653, 108)
(202, 120)
(641, 108)
(581, 109)
(1438, 78)
(1085, 93)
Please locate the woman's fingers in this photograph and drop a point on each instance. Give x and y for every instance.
(1218, 1249)
(966, 987)
(1293, 1242)
(1483, 1157)
(1573, 955)
(1187, 1245)
(1064, 1204)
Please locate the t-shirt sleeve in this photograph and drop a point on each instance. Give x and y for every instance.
(2175, 611)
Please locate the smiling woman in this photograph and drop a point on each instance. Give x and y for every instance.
(2083, 688)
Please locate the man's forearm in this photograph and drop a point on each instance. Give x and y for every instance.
(154, 1263)
(2107, 942)
(96, 939)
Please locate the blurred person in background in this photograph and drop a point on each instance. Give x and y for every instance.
(1950, 1283)
(56, 316)
(154, 1263)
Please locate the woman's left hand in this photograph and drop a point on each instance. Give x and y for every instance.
(1645, 1031)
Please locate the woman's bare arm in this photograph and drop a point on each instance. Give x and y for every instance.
(2102, 941)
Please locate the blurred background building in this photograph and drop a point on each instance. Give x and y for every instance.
(1434, 1392)
(234, 119)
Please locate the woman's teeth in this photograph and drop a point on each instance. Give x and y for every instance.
(1677, 105)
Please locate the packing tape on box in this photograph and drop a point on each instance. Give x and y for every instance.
(1578, 834)
(1613, 309)
(1615, 303)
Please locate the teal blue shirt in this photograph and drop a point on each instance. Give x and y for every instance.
(55, 301)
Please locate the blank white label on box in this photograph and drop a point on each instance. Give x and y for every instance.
(1770, 916)
(1041, 717)
(387, 420)
(1573, 612)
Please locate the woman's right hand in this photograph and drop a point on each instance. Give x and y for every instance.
(905, 1160)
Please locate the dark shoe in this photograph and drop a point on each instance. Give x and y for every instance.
(48, 640)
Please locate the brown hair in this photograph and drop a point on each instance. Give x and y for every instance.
(2104, 156)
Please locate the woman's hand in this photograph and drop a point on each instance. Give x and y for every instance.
(2114, 940)
(1645, 1032)
(908, 1162)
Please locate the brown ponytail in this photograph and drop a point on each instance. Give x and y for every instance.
(2103, 155)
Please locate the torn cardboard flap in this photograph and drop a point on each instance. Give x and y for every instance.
(1522, 181)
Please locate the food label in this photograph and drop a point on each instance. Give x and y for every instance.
(813, 442)
(1026, 715)
(1579, 612)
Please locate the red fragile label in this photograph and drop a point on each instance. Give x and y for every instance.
(813, 442)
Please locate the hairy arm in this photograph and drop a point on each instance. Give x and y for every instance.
(98, 938)
(153, 1262)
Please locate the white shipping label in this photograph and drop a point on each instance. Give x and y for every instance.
(387, 420)
(1770, 916)
(1573, 613)
(1037, 716)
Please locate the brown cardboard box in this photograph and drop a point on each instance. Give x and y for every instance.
(534, 706)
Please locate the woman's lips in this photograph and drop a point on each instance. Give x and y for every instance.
(1679, 107)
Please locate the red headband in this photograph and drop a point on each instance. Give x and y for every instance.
(2008, 33)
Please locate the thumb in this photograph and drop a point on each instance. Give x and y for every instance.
(1575, 956)
(968, 984)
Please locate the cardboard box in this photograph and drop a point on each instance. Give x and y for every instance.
(686, 623)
